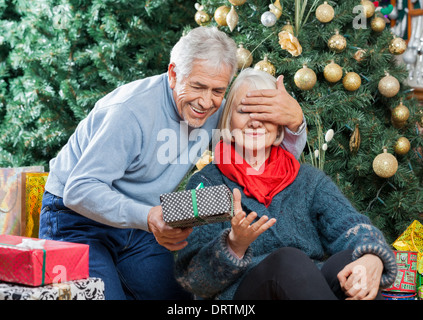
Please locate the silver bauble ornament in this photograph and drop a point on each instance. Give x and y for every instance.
(268, 19)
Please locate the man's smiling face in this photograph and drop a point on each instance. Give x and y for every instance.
(200, 94)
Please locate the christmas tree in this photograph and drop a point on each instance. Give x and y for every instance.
(58, 57)
(339, 61)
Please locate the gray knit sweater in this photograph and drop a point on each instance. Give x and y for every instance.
(312, 215)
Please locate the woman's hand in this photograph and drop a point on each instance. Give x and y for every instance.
(360, 279)
(243, 232)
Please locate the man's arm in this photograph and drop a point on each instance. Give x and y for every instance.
(89, 191)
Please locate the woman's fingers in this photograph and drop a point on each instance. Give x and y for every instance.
(262, 224)
(237, 201)
(245, 223)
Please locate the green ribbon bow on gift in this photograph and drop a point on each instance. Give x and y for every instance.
(194, 202)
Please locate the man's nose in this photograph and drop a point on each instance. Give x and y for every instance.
(206, 101)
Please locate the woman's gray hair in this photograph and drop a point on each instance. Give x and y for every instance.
(256, 80)
(213, 46)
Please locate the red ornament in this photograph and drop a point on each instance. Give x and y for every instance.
(376, 3)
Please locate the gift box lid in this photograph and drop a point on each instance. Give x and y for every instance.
(14, 241)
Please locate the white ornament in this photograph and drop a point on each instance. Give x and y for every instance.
(409, 56)
(268, 19)
(324, 146)
(329, 135)
(316, 153)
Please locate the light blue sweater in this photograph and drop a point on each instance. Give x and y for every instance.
(132, 147)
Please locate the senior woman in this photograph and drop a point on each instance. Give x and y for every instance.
(294, 235)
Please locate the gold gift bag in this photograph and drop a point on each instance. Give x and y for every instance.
(412, 240)
(10, 198)
(32, 196)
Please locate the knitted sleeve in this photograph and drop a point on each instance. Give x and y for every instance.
(343, 227)
(205, 267)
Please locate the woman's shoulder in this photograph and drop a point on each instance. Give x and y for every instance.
(210, 175)
(310, 172)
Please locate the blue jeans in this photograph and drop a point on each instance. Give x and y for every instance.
(129, 261)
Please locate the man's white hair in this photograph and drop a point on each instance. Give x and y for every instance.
(208, 44)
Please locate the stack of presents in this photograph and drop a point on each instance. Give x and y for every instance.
(32, 268)
(408, 284)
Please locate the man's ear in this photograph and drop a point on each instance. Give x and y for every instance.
(172, 75)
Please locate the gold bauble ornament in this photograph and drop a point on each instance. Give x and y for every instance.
(244, 57)
(232, 19)
(237, 2)
(388, 86)
(359, 55)
(369, 8)
(305, 78)
(385, 165)
(325, 13)
(265, 65)
(288, 27)
(402, 146)
(332, 72)
(220, 15)
(337, 42)
(202, 18)
(378, 24)
(400, 115)
(351, 81)
(276, 8)
(397, 46)
(355, 140)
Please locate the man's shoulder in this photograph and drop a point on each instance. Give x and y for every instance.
(141, 90)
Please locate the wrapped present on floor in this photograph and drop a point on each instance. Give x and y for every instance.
(196, 207)
(399, 296)
(405, 281)
(37, 262)
(32, 196)
(83, 289)
(10, 198)
(412, 240)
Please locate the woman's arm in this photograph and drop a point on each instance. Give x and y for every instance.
(342, 227)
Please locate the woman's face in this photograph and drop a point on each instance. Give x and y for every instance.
(251, 135)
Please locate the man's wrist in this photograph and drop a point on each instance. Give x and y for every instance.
(299, 130)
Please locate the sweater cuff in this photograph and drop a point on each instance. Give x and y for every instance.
(234, 259)
(388, 258)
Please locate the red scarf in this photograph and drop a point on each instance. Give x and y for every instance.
(278, 172)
